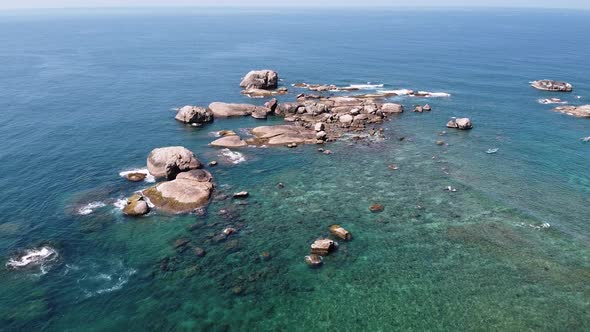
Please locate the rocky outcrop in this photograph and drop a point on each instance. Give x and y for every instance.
(460, 123)
(136, 206)
(390, 108)
(135, 176)
(169, 161)
(232, 141)
(189, 191)
(282, 135)
(550, 85)
(577, 111)
(194, 115)
(260, 79)
(225, 110)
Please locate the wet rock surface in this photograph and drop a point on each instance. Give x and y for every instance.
(551, 85)
(577, 111)
(169, 161)
(460, 123)
(194, 115)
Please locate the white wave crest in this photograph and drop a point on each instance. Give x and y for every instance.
(120, 203)
(549, 101)
(33, 257)
(148, 177)
(90, 207)
(104, 278)
(233, 156)
(368, 86)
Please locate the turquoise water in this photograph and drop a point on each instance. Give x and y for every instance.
(85, 95)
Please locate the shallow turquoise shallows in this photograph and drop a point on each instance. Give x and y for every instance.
(86, 95)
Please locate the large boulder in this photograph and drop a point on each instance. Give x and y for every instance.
(578, 111)
(232, 141)
(169, 161)
(136, 206)
(261, 79)
(460, 123)
(225, 110)
(283, 135)
(389, 108)
(189, 191)
(194, 114)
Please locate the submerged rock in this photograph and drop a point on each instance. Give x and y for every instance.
(260, 79)
(314, 260)
(550, 85)
(376, 208)
(460, 123)
(169, 161)
(340, 232)
(189, 191)
(136, 206)
(194, 115)
(577, 111)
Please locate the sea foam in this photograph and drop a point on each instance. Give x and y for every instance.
(33, 257)
(90, 207)
(233, 156)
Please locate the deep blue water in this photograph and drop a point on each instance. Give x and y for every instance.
(85, 95)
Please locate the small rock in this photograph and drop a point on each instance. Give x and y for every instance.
(426, 108)
(229, 231)
(136, 206)
(241, 194)
(340, 232)
(440, 142)
(181, 243)
(237, 290)
(376, 208)
(280, 185)
(314, 260)
(213, 163)
(135, 177)
(418, 109)
(451, 189)
(319, 126)
(327, 152)
(321, 135)
(393, 167)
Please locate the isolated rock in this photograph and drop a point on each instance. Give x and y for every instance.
(189, 191)
(460, 123)
(340, 232)
(224, 110)
(418, 109)
(323, 247)
(376, 208)
(550, 85)
(241, 194)
(232, 141)
(577, 111)
(169, 161)
(194, 114)
(427, 108)
(260, 79)
(136, 206)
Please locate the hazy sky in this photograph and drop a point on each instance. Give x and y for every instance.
(10, 4)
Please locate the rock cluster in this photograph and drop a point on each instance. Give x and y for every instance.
(460, 123)
(226, 110)
(324, 246)
(577, 111)
(336, 114)
(282, 135)
(169, 161)
(550, 85)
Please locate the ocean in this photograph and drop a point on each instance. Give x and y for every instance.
(87, 94)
